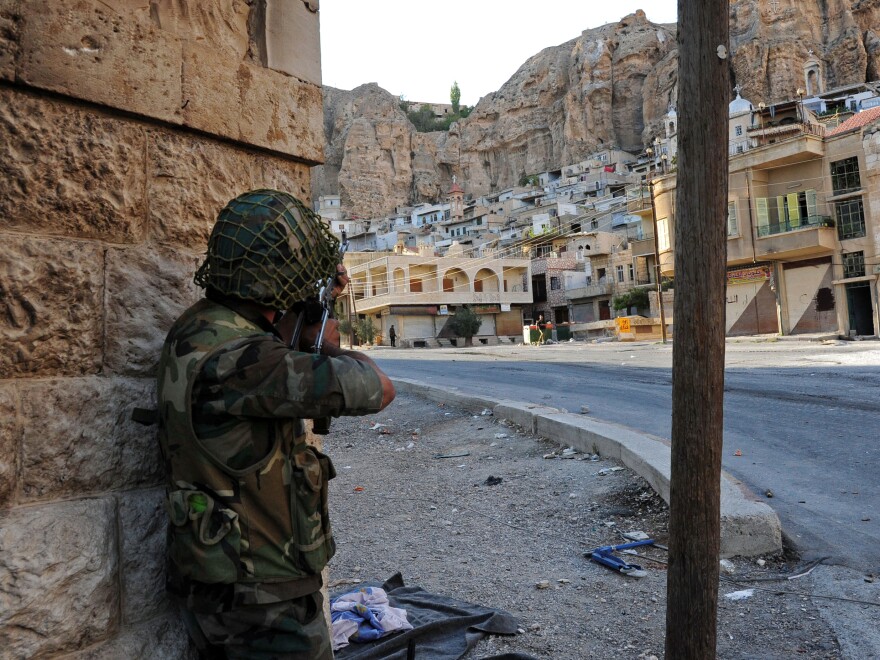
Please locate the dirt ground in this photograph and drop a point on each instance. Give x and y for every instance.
(519, 545)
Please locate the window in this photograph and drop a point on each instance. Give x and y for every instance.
(732, 229)
(539, 288)
(738, 130)
(850, 219)
(554, 284)
(632, 273)
(845, 176)
(543, 251)
(594, 224)
(620, 273)
(663, 234)
(853, 264)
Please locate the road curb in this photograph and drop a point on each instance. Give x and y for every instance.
(748, 527)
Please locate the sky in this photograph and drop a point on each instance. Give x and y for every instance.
(418, 49)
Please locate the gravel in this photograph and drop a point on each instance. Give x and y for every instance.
(507, 526)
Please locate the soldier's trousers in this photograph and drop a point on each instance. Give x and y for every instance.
(292, 630)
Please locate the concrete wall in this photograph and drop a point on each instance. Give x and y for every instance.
(124, 127)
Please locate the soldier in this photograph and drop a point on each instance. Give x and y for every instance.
(247, 497)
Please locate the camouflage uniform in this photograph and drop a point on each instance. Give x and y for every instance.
(247, 497)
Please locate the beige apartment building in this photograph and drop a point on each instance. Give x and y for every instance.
(802, 229)
(419, 293)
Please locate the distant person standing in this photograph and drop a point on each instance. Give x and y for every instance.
(542, 325)
(392, 335)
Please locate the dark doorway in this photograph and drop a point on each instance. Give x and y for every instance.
(861, 312)
(604, 310)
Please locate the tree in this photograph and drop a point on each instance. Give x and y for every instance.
(634, 298)
(698, 354)
(365, 330)
(423, 119)
(455, 97)
(465, 324)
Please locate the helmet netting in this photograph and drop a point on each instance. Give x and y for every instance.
(270, 248)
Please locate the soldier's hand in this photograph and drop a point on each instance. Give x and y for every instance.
(340, 282)
(330, 343)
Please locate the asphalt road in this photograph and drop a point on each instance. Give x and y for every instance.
(804, 416)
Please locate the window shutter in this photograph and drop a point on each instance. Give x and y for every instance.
(794, 212)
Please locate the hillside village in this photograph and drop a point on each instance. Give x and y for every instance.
(588, 243)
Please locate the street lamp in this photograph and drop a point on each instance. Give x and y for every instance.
(800, 94)
(663, 159)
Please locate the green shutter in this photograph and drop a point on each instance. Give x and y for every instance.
(763, 214)
(794, 212)
(812, 206)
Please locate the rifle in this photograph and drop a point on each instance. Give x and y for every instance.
(308, 310)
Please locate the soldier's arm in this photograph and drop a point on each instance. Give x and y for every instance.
(265, 378)
(331, 348)
(388, 391)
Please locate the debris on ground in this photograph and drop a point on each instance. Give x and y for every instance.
(502, 541)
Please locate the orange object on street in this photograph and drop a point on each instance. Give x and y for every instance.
(358, 489)
(737, 453)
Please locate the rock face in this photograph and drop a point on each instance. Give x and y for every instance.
(609, 87)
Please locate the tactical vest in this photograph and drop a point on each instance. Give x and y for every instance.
(265, 523)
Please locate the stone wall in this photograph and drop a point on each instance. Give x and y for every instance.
(124, 128)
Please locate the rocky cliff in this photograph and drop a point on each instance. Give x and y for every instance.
(609, 87)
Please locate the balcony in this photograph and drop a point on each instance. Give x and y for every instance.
(639, 200)
(589, 291)
(815, 237)
(773, 146)
(385, 298)
(786, 226)
(643, 247)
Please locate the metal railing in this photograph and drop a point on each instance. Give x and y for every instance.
(787, 226)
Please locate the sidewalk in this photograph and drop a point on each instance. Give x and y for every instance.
(749, 528)
(466, 505)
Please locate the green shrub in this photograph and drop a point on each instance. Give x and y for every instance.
(466, 323)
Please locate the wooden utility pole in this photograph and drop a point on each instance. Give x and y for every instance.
(698, 356)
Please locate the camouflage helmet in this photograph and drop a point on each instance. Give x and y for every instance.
(268, 247)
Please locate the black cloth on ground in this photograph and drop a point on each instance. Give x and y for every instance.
(443, 628)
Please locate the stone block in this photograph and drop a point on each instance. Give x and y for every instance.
(148, 287)
(51, 293)
(210, 99)
(58, 568)
(220, 26)
(143, 524)
(282, 174)
(79, 438)
(192, 178)
(10, 440)
(90, 50)
(293, 40)
(70, 171)
(281, 113)
(10, 33)
(164, 638)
